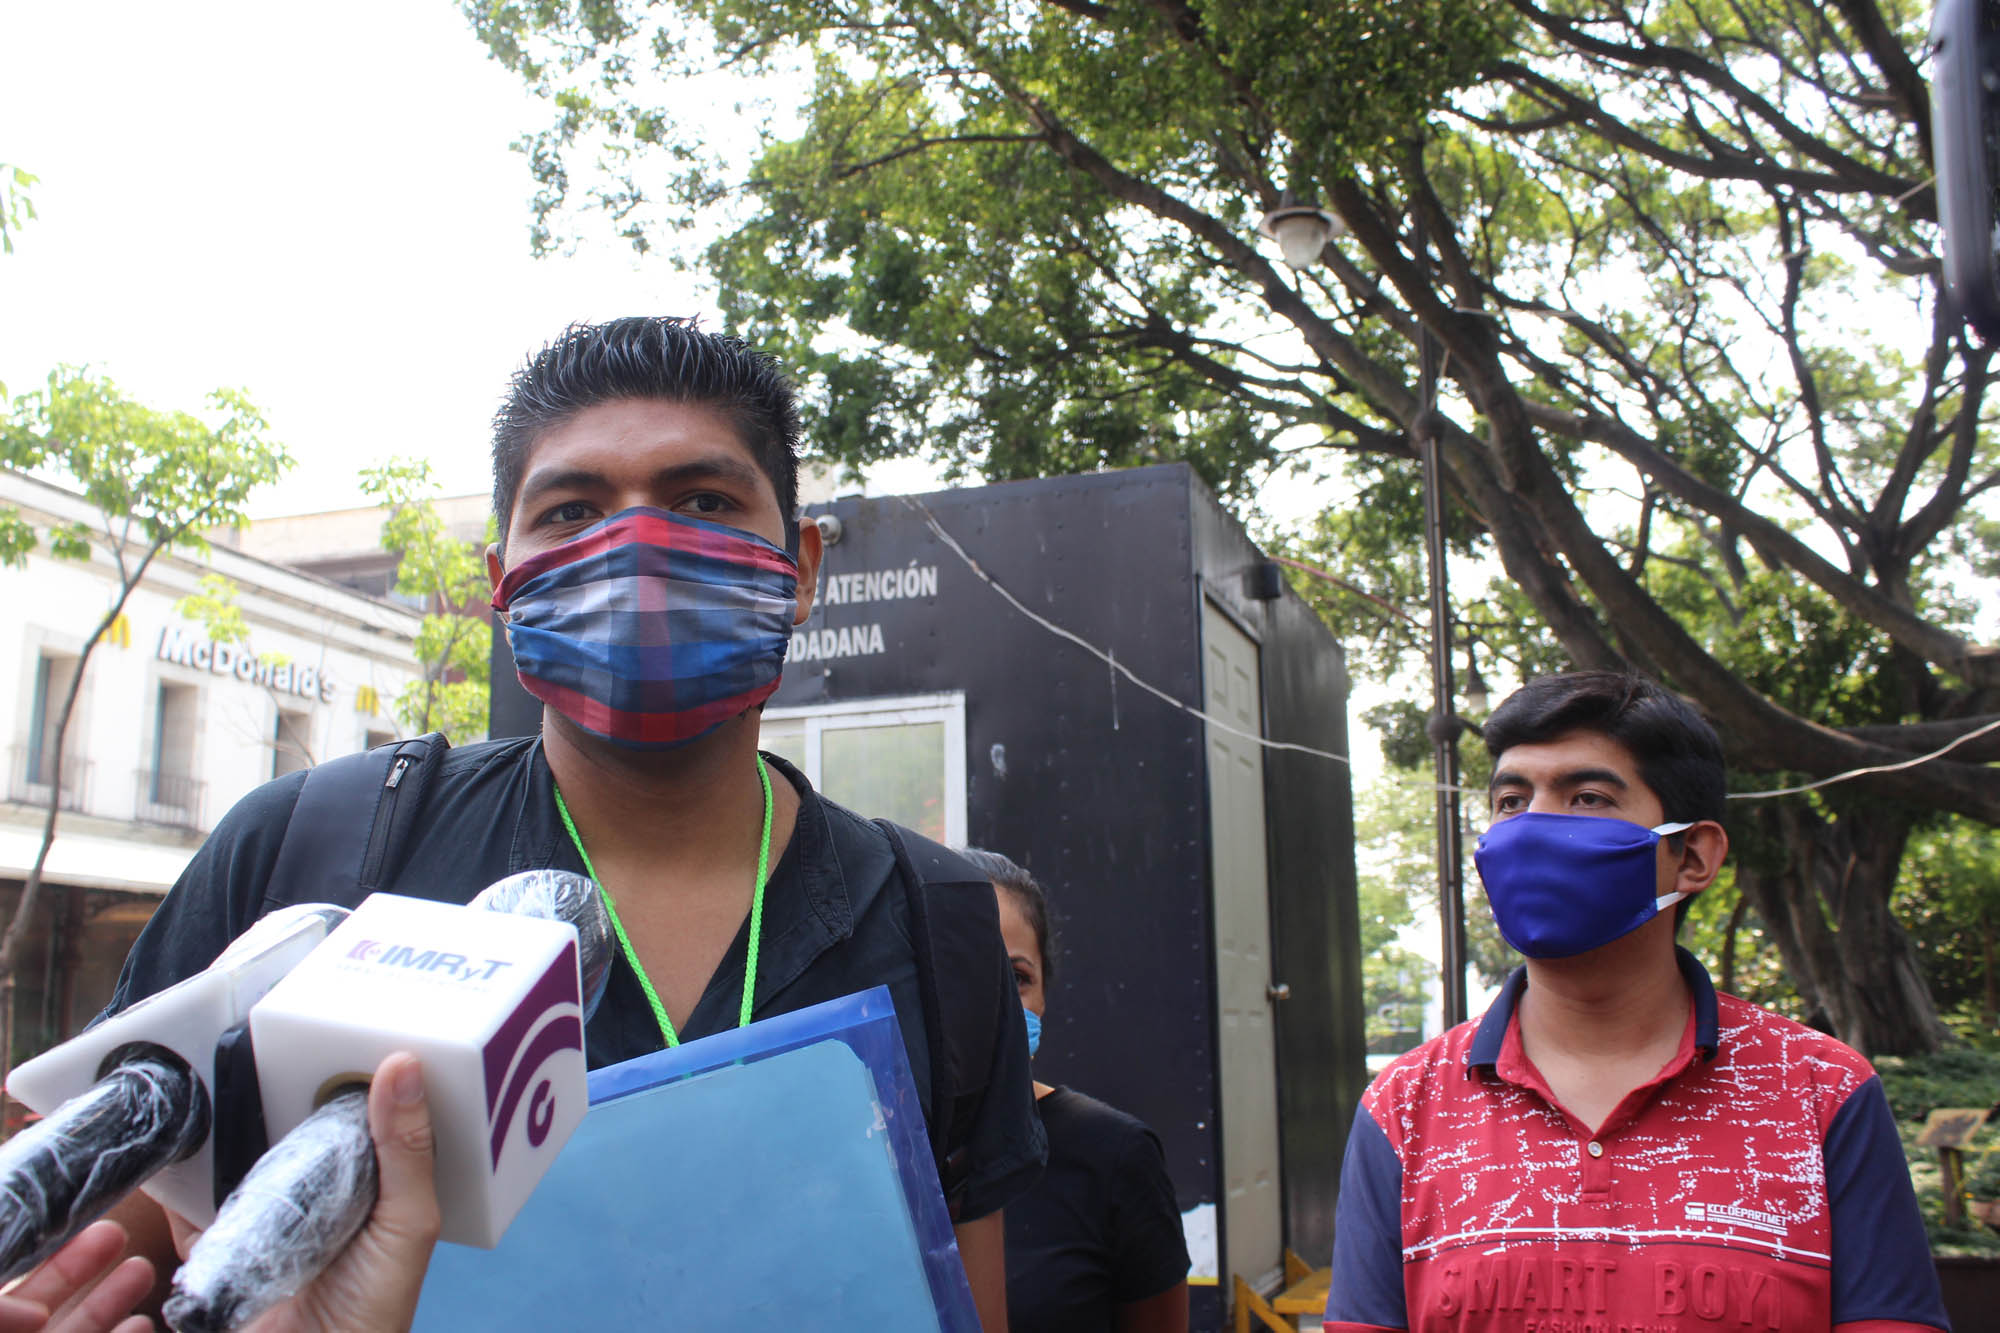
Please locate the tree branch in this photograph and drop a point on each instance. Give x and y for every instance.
(1978, 664)
(1853, 175)
(1950, 496)
(1906, 87)
(1739, 167)
(844, 171)
(1755, 728)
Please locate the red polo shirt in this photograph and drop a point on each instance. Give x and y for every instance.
(1757, 1183)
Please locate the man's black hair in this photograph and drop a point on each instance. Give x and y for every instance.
(1677, 751)
(1026, 894)
(650, 357)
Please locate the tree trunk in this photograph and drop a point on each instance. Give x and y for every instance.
(1825, 898)
(68, 957)
(1729, 934)
(31, 888)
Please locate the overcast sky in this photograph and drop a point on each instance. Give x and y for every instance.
(315, 203)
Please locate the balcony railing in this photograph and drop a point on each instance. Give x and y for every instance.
(30, 768)
(169, 798)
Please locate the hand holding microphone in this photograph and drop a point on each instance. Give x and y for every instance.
(495, 1009)
(372, 1287)
(304, 1201)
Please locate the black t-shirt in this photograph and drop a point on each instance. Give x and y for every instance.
(836, 921)
(1100, 1230)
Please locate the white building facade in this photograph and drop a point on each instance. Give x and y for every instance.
(170, 728)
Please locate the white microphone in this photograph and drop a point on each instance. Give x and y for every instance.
(144, 1098)
(491, 997)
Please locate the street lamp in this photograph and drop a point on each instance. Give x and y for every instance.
(1425, 432)
(1301, 230)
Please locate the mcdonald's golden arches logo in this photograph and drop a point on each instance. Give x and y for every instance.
(366, 700)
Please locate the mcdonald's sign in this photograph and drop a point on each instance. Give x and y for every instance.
(366, 700)
(119, 631)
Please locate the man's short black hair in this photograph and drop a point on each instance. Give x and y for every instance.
(1678, 753)
(650, 357)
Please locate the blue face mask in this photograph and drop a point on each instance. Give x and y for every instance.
(1034, 1030)
(1561, 885)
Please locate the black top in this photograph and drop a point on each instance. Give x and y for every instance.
(1100, 1230)
(835, 922)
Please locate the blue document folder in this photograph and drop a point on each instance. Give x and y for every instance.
(774, 1176)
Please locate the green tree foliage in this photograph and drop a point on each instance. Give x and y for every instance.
(455, 640)
(215, 609)
(1394, 980)
(1396, 829)
(17, 207)
(157, 480)
(1008, 314)
(1949, 897)
(1919, 1084)
(1679, 260)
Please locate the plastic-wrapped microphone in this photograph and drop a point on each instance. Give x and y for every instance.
(59, 1174)
(562, 895)
(128, 1102)
(290, 1217)
(304, 1201)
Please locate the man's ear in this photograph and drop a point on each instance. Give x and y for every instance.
(1703, 849)
(494, 571)
(811, 548)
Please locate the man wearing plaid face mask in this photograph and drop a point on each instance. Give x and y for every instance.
(649, 570)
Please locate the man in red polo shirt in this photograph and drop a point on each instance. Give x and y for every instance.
(1614, 1147)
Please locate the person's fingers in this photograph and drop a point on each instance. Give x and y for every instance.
(108, 1307)
(73, 1267)
(399, 1120)
(18, 1316)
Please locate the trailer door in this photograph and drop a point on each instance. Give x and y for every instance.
(1252, 1219)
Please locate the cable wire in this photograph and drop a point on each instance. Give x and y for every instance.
(1851, 773)
(951, 544)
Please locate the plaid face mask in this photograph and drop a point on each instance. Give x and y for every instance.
(651, 629)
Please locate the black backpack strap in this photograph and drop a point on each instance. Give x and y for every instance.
(955, 977)
(348, 828)
(350, 823)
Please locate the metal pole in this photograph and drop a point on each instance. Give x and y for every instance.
(1444, 726)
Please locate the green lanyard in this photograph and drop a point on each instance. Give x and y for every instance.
(756, 914)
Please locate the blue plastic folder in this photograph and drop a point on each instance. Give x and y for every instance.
(776, 1176)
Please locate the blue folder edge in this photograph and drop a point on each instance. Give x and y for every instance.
(866, 1023)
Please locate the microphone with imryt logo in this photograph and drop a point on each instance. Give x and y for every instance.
(277, 1041)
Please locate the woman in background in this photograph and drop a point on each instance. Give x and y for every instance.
(1096, 1246)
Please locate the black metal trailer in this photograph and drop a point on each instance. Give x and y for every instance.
(1201, 877)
